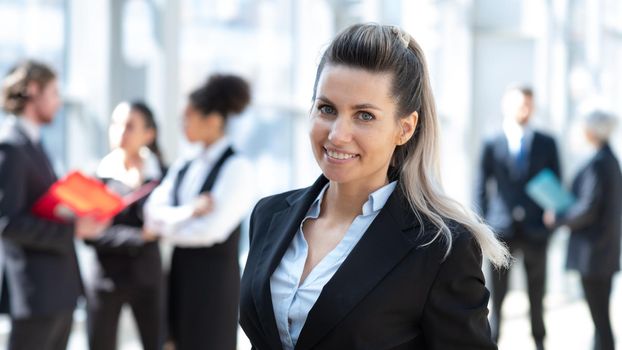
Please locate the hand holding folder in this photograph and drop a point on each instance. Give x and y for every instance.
(546, 190)
(84, 196)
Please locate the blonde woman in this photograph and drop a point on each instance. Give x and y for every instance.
(373, 255)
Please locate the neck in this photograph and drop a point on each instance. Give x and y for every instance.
(209, 142)
(346, 200)
(598, 144)
(31, 118)
(131, 158)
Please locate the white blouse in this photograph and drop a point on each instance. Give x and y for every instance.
(233, 194)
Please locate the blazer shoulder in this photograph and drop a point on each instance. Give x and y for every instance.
(10, 136)
(544, 137)
(464, 242)
(265, 207)
(276, 202)
(10, 149)
(494, 139)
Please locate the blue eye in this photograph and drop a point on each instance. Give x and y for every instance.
(326, 109)
(366, 116)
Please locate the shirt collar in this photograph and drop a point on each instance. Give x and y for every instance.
(32, 130)
(112, 165)
(375, 202)
(212, 152)
(379, 198)
(514, 131)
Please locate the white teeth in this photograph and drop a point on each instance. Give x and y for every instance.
(337, 155)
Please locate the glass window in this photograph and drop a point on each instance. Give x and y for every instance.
(36, 29)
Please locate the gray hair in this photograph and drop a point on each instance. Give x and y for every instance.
(600, 124)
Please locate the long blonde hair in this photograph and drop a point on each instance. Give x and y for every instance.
(381, 48)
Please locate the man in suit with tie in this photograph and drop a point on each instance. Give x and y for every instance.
(42, 281)
(509, 160)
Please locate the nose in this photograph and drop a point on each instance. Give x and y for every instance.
(340, 131)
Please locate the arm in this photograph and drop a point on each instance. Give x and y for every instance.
(119, 238)
(17, 224)
(455, 313)
(159, 213)
(589, 196)
(233, 195)
(484, 173)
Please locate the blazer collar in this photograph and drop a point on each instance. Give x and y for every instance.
(394, 232)
(283, 227)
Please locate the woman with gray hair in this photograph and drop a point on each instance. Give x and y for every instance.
(594, 222)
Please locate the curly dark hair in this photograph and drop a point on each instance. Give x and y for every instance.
(224, 94)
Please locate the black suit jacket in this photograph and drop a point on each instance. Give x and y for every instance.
(389, 293)
(501, 195)
(124, 258)
(594, 219)
(39, 255)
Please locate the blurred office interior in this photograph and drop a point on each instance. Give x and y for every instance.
(108, 51)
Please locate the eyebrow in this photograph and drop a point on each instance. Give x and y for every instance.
(358, 106)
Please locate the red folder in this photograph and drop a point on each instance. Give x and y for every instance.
(81, 194)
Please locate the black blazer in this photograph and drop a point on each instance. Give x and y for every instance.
(39, 255)
(389, 293)
(502, 203)
(124, 258)
(594, 219)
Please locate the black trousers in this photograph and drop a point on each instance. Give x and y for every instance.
(597, 292)
(535, 266)
(204, 289)
(104, 309)
(41, 332)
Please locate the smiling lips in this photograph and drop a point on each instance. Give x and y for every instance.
(339, 155)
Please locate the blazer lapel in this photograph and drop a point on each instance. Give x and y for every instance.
(41, 159)
(283, 227)
(389, 238)
(503, 146)
(532, 146)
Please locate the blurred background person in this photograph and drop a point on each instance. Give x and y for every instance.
(128, 268)
(594, 222)
(199, 207)
(508, 161)
(40, 264)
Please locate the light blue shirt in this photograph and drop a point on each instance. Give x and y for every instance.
(291, 300)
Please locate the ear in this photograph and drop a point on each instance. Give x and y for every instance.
(407, 128)
(32, 89)
(215, 121)
(150, 135)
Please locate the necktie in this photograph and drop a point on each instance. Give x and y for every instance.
(521, 156)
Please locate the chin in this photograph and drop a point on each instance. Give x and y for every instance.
(190, 138)
(335, 176)
(45, 120)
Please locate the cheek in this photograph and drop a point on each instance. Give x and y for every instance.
(319, 129)
(380, 145)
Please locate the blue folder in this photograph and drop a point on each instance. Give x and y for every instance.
(546, 190)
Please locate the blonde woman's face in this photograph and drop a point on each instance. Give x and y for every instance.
(354, 130)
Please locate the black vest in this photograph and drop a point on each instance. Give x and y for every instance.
(207, 186)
